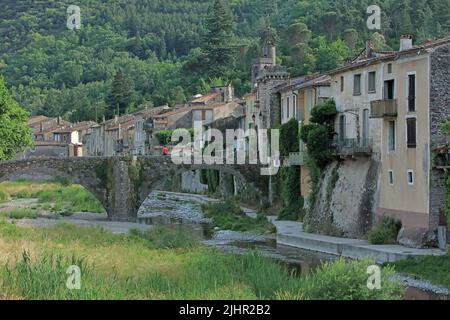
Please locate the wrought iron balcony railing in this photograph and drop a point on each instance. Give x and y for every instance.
(352, 147)
(383, 108)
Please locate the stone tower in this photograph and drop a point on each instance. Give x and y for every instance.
(269, 55)
(266, 76)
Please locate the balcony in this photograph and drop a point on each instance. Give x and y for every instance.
(352, 147)
(383, 109)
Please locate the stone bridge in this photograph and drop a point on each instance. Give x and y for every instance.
(122, 184)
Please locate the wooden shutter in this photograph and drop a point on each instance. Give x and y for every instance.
(411, 132)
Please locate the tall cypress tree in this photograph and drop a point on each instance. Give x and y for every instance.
(119, 97)
(217, 41)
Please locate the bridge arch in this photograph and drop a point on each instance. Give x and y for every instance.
(51, 169)
(122, 184)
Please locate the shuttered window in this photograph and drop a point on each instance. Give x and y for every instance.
(411, 127)
(357, 84)
(412, 93)
(372, 81)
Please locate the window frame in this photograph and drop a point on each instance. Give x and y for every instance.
(394, 136)
(391, 177)
(408, 98)
(355, 76)
(410, 145)
(374, 73)
(410, 173)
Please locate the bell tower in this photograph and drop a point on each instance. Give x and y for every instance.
(269, 55)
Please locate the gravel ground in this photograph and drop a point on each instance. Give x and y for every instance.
(172, 206)
(86, 220)
(423, 285)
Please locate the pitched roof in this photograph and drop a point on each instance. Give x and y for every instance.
(172, 112)
(35, 119)
(206, 98)
(377, 56)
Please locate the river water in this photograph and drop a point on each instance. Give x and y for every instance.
(183, 212)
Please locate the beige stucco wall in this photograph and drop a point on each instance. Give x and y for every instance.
(404, 201)
(353, 106)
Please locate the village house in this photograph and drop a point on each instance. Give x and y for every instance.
(55, 137)
(391, 106)
(298, 97)
(125, 135)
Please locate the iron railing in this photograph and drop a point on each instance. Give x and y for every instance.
(352, 147)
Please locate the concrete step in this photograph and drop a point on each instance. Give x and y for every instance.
(291, 234)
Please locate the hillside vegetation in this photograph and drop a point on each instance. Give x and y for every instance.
(159, 46)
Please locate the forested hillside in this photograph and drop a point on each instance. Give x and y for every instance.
(156, 51)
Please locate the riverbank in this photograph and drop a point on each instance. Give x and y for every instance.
(291, 233)
(162, 265)
(175, 205)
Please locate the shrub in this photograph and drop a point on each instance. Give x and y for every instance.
(446, 127)
(4, 197)
(163, 237)
(319, 146)
(21, 214)
(385, 231)
(341, 280)
(324, 112)
(289, 138)
(229, 216)
(22, 195)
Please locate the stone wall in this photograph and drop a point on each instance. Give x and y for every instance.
(345, 201)
(122, 184)
(439, 114)
(190, 182)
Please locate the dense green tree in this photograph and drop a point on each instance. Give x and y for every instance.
(218, 39)
(157, 44)
(119, 97)
(15, 135)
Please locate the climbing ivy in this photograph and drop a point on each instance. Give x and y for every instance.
(317, 136)
(319, 132)
(136, 178)
(447, 193)
(105, 172)
(213, 180)
(288, 181)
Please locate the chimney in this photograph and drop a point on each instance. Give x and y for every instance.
(59, 121)
(368, 49)
(406, 42)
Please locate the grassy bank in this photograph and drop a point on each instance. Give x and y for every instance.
(59, 196)
(229, 216)
(140, 266)
(433, 269)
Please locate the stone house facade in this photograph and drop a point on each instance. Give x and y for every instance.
(391, 106)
